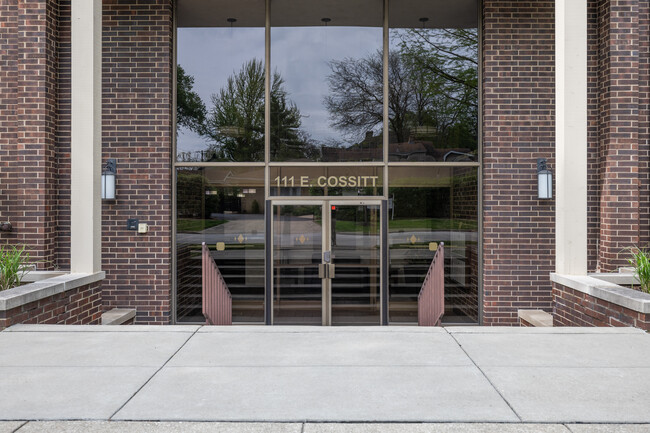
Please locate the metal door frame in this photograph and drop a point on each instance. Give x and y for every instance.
(326, 204)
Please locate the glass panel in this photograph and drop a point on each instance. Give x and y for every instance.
(326, 181)
(223, 207)
(433, 81)
(297, 252)
(356, 254)
(220, 83)
(432, 205)
(327, 86)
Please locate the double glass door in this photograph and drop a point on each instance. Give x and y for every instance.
(326, 263)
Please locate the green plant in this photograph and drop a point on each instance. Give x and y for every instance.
(12, 262)
(641, 262)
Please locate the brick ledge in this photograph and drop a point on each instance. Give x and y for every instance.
(607, 291)
(22, 295)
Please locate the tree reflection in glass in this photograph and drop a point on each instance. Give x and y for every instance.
(433, 95)
(332, 128)
(235, 123)
(220, 93)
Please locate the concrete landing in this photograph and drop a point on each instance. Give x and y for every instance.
(295, 378)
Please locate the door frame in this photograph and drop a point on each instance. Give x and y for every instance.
(326, 204)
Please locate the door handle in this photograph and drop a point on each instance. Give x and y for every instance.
(326, 270)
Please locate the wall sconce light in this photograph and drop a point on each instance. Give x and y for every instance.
(544, 180)
(108, 179)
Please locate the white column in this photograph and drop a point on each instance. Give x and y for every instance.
(571, 136)
(86, 145)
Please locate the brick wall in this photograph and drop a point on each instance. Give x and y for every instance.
(137, 128)
(28, 83)
(63, 137)
(619, 130)
(593, 144)
(644, 123)
(35, 143)
(574, 308)
(137, 86)
(80, 306)
(518, 97)
(518, 112)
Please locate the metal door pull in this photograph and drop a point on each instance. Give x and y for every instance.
(326, 270)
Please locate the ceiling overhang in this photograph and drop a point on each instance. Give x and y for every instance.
(298, 13)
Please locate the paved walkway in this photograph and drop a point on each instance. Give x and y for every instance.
(298, 379)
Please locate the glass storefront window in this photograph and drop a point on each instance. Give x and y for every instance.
(328, 78)
(223, 207)
(433, 84)
(220, 85)
(335, 133)
(432, 205)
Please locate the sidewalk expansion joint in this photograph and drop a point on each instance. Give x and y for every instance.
(110, 418)
(19, 427)
(485, 376)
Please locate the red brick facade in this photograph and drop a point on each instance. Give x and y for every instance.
(137, 131)
(518, 128)
(644, 123)
(574, 308)
(618, 130)
(518, 125)
(80, 306)
(137, 123)
(28, 118)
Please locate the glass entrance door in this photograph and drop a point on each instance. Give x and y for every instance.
(326, 263)
(355, 243)
(297, 253)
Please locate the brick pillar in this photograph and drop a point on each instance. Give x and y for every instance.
(518, 118)
(644, 122)
(137, 131)
(8, 82)
(28, 77)
(619, 131)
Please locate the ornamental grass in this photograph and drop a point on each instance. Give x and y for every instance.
(13, 261)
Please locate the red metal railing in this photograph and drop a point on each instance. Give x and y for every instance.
(217, 302)
(431, 300)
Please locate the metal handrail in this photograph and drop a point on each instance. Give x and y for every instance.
(431, 300)
(217, 301)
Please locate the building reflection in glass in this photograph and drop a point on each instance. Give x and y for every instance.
(433, 85)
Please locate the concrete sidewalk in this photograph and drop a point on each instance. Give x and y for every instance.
(563, 378)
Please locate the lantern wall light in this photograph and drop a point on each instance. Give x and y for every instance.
(108, 179)
(544, 180)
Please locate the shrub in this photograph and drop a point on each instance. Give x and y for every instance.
(12, 262)
(641, 262)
